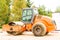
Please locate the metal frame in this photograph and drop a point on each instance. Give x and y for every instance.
(31, 15)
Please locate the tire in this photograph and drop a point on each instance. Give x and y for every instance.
(46, 33)
(14, 33)
(39, 29)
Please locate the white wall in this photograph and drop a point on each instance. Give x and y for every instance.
(56, 17)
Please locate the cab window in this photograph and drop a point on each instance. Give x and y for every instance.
(27, 15)
(24, 13)
(27, 18)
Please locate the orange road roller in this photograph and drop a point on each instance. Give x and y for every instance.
(31, 21)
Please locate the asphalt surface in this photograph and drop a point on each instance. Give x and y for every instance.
(55, 35)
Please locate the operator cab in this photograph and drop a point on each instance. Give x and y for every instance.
(27, 15)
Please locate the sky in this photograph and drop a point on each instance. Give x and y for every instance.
(49, 4)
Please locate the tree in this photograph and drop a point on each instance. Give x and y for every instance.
(8, 14)
(49, 13)
(42, 11)
(4, 11)
(58, 9)
(29, 3)
(17, 7)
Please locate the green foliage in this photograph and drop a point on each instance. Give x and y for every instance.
(8, 14)
(17, 7)
(4, 11)
(29, 3)
(42, 11)
(58, 9)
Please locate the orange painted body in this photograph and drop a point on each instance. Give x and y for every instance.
(16, 28)
(46, 21)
